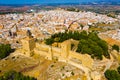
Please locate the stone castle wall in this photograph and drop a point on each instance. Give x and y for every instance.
(63, 55)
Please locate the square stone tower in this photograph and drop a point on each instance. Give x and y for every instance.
(28, 45)
(65, 48)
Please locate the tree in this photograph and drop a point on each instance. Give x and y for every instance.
(83, 35)
(49, 41)
(104, 47)
(93, 36)
(13, 75)
(112, 75)
(115, 47)
(118, 69)
(5, 50)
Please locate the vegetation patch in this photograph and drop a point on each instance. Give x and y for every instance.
(113, 74)
(115, 47)
(89, 43)
(5, 50)
(13, 75)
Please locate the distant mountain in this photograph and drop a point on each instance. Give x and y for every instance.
(102, 2)
(112, 2)
(85, 2)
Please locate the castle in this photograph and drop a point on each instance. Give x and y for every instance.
(63, 53)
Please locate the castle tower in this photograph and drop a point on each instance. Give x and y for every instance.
(65, 48)
(28, 45)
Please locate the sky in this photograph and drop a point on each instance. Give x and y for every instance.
(41, 1)
(46, 1)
